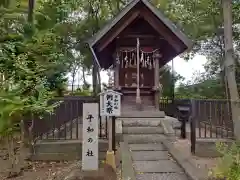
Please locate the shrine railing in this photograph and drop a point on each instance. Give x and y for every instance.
(211, 118)
(66, 120)
(170, 106)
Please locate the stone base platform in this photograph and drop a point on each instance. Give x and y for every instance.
(143, 114)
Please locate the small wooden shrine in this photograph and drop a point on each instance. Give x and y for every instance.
(136, 43)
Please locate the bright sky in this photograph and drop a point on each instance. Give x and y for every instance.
(188, 68)
(182, 67)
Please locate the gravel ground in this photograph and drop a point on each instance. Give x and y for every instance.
(184, 145)
(64, 170)
(199, 162)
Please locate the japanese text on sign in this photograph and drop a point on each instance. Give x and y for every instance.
(90, 136)
(111, 103)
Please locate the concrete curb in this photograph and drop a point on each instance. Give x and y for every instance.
(119, 131)
(60, 150)
(186, 163)
(128, 172)
(167, 128)
(207, 147)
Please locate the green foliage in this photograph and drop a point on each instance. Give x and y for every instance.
(14, 106)
(28, 57)
(11, 107)
(168, 79)
(86, 86)
(82, 92)
(229, 165)
(202, 21)
(207, 89)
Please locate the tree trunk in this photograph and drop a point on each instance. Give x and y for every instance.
(230, 65)
(94, 78)
(222, 60)
(84, 76)
(73, 79)
(99, 81)
(30, 10)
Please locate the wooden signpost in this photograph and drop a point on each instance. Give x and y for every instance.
(110, 106)
(110, 103)
(90, 137)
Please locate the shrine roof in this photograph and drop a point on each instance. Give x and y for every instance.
(92, 41)
(185, 41)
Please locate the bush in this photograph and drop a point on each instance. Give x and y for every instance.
(229, 165)
(82, 92)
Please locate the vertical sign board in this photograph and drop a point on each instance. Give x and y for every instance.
(90, 137)
(110, 102)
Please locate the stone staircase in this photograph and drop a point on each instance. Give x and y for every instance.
(151, 160)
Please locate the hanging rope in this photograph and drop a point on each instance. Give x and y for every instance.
(128, 59)
(134, 49)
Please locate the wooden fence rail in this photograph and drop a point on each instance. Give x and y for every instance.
(66, 120)
(209, 118)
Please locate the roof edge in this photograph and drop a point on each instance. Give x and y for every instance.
(95, 57)
(176, 30)
(169, 24)
(112, 22)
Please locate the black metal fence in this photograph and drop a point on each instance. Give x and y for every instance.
(66, 120)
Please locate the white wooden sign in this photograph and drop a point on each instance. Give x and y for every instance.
(110, 103)
(90, 137)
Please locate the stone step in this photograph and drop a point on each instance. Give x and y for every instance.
(141, 122)
(147, 147)
(150, 155)
(146, 113)
(133, 107)
(143, 138)
(143, 130)
(161, 176)
(162, 166)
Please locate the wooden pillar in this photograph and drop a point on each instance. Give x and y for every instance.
(116, 73)
(156, 57)
(156, 83)
(138, 98)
